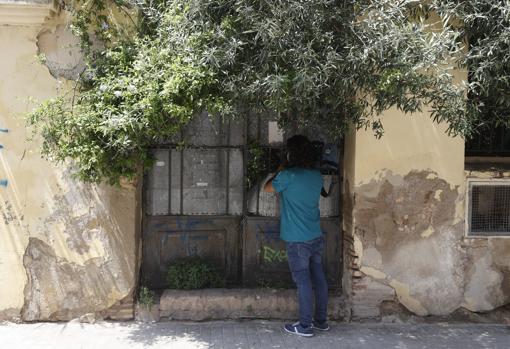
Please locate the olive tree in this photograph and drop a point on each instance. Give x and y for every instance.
(335, 63)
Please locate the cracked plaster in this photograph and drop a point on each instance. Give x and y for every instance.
(66, 248)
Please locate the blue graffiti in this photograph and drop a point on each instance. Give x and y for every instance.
(1, 146)
(4, 130)
(269, 231)
(188, 223)
(184, 227)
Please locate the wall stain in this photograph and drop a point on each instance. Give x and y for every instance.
(407, 233)
(9, 215)
(413, 230)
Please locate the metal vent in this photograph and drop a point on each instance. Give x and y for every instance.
(489, 208)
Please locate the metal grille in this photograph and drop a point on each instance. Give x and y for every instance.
(489, 209)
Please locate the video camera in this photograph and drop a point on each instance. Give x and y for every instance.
(327, 157)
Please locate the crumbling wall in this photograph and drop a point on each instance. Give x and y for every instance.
(404, 225)
(409, 240)
(487, 284)
(66, 248)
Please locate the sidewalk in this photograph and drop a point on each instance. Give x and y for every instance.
(249, 334)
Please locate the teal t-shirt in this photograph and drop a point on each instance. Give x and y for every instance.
(300, 190)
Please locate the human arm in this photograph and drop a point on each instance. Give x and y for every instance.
(268, 186)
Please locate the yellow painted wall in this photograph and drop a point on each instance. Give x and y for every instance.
(407, 229)
(91, 230)
(410, 142)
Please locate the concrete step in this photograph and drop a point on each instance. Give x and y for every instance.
(220, 304)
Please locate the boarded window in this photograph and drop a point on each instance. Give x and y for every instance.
(196, 182)
(489, 208)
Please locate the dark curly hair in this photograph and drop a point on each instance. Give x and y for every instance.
(300, 152)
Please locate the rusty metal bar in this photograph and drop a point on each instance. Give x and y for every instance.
(182, 183)
(227, 206)
(245, 162)
(169, 181)
(176, 146)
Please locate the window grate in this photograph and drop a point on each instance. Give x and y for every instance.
(489, 209)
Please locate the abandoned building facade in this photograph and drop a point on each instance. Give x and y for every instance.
(415, 221)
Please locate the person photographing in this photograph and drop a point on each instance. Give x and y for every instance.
(300, 186)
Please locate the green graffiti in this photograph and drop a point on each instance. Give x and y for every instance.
(271, 255)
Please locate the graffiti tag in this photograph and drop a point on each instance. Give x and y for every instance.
(185, 229)
(269, 231)
(271, 255)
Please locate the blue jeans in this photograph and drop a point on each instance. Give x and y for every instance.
(305, 262)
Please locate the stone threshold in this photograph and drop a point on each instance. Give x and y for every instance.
(223, 304)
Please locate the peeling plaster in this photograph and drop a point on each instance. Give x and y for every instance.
(427, 233)
(66, 248)
(409, 237)
(403, 294)
(62, 52)
(61, 290)
(484, 287)
(358, 247)
(372, 257)
(406, 239)
(9, 314)
(372, 272)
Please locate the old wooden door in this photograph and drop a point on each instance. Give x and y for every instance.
(202, 199)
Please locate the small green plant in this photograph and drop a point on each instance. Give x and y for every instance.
(146, 297)
(193, 273)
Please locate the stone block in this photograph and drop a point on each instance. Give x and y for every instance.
(219, 304)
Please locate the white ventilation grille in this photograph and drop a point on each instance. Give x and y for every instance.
(489, 208)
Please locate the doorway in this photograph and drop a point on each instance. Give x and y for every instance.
(203, 198)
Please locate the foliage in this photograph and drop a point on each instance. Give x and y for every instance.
(261, 161)
(256, 167)
(486, 27)
(336, 64)
(193, 273)
(131, 96)
(146, 297)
